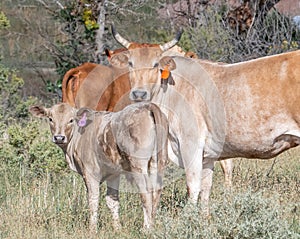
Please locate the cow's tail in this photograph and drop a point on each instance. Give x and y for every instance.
(162, 131)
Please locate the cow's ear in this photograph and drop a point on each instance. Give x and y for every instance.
(119, 60)
(38, 111)
(167, 62)
(108, 53)
(83, 117)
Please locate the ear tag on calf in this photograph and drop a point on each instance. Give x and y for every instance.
(82, 121)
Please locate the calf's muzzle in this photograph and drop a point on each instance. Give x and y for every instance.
(59, 139)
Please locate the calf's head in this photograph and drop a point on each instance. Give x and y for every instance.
(62, 119)
(147, 68)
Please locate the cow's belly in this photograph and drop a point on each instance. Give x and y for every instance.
(266, 146)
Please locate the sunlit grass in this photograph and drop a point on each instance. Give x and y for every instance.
(55, 206)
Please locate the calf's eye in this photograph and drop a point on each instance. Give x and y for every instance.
(155, 65)
(71, 121)
(130, 64)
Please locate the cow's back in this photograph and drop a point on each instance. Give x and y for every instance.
(97, 87)
(260, 101)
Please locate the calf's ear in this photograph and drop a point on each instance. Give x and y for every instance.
(38, 111)
(84, 117)
(119, 60)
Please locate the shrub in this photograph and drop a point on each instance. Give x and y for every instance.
(30, 149)
(13, 105)
(242, 215)
(4, 22)
(213, 39)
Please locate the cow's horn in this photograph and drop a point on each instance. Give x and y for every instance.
(119, 38)
(171, 43)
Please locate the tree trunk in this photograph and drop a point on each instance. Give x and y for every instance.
(101, 30)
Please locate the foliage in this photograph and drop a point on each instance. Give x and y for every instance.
(241, 215)
(80, 23)
(28, 147)
(78, 45)
(213, 39)
(13, 106)
(4, 22)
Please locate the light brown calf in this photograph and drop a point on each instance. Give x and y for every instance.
(101, 146)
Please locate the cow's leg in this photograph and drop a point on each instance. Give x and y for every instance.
(227, 167)
(207, 176)
(112, 199)
(92, 185)
(193, 170)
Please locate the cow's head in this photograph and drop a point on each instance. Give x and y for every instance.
(62, 119)
(147, 67)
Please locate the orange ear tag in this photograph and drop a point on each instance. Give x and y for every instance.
(165, 73)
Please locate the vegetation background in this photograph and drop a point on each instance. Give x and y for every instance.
(40, 40)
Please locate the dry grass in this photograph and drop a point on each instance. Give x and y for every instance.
(55, 207)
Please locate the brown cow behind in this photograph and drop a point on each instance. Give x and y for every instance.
(96, 86)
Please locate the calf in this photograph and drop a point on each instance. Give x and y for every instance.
(102, 145)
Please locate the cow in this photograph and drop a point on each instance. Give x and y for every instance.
(105, 87)
(248, 109)
(99, 87)
(102, 87)
(101, 146)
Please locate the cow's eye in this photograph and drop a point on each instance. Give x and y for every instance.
(71, 121)
(130, 64)
(155, 65)
(50, 119)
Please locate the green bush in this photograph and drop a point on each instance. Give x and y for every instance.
(4, 22)
(214, 40)
(13, 105)
(30, 148)
(246, 215)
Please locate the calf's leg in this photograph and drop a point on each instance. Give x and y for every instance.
(112, 200)
(92, 186)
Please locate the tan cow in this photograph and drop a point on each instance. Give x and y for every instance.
(105, 87)
(217, 111)
(101, 146)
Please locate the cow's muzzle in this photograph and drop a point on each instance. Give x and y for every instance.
(139, 95)
(59, 139)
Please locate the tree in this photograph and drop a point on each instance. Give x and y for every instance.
(236, 30)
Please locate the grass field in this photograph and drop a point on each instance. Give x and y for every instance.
(264, 203)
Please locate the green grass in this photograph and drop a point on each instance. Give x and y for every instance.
(264, 203)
